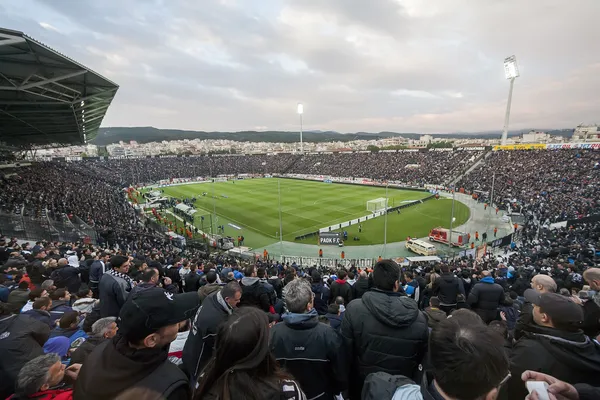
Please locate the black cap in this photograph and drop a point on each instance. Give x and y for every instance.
(148, 310)
(563, 312)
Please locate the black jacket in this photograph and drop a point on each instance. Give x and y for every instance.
(42, 316)
(312, 352)
(198, 348)
(113, 291)
(254, 294)
(21, 340)
(67, 277)
(340, 288)
(96, 271)
(113, 367)
(384, 331)
(446, 288)
(80, 354)
(192, 282)
(277, 285)
(569, 356)
(322, 294)
(360, 287)
(591, 318)
(485, 298)
(36, 272)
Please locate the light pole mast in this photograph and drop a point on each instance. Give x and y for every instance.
(300, 112)
(511, 71)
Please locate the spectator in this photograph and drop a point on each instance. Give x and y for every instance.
(68, 326)
(19, 297)
(211, 285)
(21, 340)
(555, 345)
(40, 311)
(541, 284)
(150, 278)
(412, 288)
(192, 280)
(334, 316)
(591, 308)
(361, 286)
(4, 291)
(103, 329)
(321, 292)
(97, 269)
(310, 351)
(467, 362)
(34, 294)
(215, 309)
(340, 287)
(253, 293)
(138, 355)
(35, 269)
(66, 276)
(384, 330)
(275, 282)
(114, 287)
(446, 288)
(261, 273)
(243, 367)
(43, 377)
(433, 312)
(61, 299)
(485, 297)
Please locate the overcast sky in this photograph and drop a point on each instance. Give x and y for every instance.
(356, 65)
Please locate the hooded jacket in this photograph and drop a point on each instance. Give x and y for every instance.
(58, 308)
(360, 287)
(322, 294)
(42, 316)
(568, 356)
(340, 287)
(446, 288)
(200, 342)
(485, 298)
(312, 352)
(207, 289)
(384, 331)
(67, 276)
(21, 340)
(113, 367)
(254, 294)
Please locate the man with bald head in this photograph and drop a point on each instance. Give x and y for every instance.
(66, 276)
(541, 284)
(361, 286)
(591, 307)
(485, 297)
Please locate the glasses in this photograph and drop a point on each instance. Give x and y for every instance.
(503, 381)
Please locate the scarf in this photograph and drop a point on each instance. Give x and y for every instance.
(122, 276)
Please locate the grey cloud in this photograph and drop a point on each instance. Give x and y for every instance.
(216, 65)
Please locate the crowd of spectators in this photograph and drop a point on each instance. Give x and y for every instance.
(87, 322)
(554, 185)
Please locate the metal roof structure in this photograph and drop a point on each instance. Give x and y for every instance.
(45, 97)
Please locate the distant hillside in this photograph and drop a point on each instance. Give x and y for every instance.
(150, 134)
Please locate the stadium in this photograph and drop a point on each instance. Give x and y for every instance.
(380, 246)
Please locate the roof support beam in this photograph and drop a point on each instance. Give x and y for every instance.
(55, 79)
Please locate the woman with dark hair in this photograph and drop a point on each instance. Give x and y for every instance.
(242, 367)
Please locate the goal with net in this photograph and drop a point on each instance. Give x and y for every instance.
(375, 205)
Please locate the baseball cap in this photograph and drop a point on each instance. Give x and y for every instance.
(563, 312)
(148, 310)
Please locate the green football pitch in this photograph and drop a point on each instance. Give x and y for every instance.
(306, 206)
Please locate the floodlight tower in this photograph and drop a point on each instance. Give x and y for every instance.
(511, 71)
(300, 112)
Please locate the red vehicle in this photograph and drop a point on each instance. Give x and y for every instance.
(442, 235)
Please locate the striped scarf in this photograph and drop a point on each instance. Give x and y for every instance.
(122, 276)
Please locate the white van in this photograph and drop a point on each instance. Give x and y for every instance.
(420, 247)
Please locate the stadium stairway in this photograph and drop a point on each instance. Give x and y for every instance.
(478, 161)
(294, 160)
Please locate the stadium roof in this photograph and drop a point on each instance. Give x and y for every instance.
(45, 97)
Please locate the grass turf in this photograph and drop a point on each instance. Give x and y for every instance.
(306, 206)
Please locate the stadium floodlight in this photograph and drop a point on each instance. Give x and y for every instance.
(511, 71)
(300, 112)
